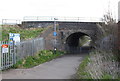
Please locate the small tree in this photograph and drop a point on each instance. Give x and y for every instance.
(110, 26)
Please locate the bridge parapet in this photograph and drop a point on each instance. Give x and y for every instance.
(60, 18)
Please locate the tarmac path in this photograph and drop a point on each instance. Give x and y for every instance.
(60, 68)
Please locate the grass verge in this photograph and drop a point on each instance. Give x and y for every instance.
(91, 65)
(41, 57)
(82, 73)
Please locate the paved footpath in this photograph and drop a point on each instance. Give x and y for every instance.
(61, 68)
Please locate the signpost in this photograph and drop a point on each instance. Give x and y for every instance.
(14, 37)
(55, 34)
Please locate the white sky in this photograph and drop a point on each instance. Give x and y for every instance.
(17, 9)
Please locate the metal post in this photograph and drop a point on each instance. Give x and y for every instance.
(55, 24)
(55, 36)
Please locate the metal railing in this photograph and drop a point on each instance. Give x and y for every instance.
(60, 18)
(29, 48)
(20, 51)
(7, 56)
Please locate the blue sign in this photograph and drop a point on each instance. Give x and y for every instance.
(11, 42)
(11, 39)
(14, 37)
(54, 33)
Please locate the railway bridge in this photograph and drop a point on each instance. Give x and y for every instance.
(69, 31)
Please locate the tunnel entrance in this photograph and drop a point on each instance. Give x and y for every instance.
(78, 43)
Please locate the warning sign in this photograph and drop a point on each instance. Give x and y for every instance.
(5, 48)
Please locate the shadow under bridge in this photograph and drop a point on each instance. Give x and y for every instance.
(77, 43)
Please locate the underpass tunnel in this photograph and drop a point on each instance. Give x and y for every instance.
(78, 42)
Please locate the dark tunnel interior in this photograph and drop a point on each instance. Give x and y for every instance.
(73, 42)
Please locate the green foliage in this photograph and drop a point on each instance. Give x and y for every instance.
(41, 57)
(18, 64)
(83, 40)
(107, 76)
(81, 73)
(24, 33)
(0, 32)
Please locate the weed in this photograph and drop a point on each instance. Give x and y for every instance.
(81, 73)
(41, 57)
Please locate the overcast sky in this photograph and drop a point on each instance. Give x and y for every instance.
(17, 9)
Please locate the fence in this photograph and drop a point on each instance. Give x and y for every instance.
(7, 56)
(13, 53)
(29, 47)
